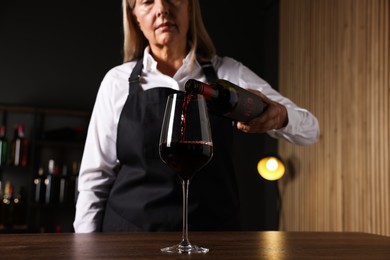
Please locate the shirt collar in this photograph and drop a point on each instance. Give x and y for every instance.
(150, 64)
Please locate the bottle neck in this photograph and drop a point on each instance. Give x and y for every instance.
(21, 131)
(198, 87)
(2, 132)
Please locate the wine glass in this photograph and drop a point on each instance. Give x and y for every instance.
(186, 146)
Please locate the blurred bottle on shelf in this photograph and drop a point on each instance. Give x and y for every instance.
(74, 178)
(64, 185)
(19, 147)
(40, 186)
(7, 204)
(2, 209)
(18, 208)
(54, 187)
(3, 146)
(52, 183)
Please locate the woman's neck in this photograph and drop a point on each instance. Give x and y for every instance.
(169, 60)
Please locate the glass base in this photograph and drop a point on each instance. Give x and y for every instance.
(186, 249)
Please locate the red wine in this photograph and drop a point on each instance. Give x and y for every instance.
(186, 157)
(183, 121)
(227, 99)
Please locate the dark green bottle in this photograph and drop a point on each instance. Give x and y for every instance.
(3, 146)
(227, 99)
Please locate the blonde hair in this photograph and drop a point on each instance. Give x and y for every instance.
(199, 41)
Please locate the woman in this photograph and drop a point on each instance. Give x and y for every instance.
(123, 183)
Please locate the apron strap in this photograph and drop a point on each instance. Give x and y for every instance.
(135, 76)
(209, 71)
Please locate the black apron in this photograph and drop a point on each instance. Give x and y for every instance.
(147, 194)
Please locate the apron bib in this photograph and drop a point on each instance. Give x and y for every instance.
(147, 194)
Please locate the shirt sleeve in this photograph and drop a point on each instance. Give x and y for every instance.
(302, 127)
(99, 159)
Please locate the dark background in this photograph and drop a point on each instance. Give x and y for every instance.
(54, 54)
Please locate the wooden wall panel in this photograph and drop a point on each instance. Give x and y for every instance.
(335, 61)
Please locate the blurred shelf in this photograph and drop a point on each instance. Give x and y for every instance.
(53, 134)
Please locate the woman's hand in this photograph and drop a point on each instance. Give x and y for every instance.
(273, 117)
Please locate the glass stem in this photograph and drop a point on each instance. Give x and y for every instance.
(185, 185)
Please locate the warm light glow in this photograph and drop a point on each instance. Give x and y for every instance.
(270, 168)
(272, 243)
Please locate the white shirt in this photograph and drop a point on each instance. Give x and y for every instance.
(99, 158)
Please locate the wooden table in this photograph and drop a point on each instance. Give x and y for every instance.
(223, 245)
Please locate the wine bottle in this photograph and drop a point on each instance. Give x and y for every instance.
(3, 146)
(19, 147)
(19, 213)
(2, 207)
(227, 99)
(7, 206)
(40, 186)
(73, 182)
(52, 184)
(64, 185)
